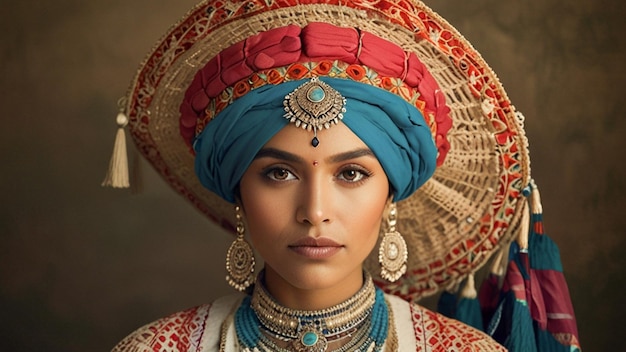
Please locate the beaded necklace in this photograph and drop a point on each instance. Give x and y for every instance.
(363, 318)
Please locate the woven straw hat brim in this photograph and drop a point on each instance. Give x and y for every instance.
(452, 225)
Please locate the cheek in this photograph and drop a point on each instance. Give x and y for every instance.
(261, 210)
(370, 220)
(367, 213)
(261, 228)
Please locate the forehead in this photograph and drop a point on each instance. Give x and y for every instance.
(337, 139)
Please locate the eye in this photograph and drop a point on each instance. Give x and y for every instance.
(280, 174)
(353, 175)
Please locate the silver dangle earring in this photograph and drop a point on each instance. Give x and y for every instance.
(393, 252)
(240, 259)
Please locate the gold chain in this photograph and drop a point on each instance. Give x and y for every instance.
(337, 319)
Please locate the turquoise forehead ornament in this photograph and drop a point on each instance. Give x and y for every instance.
(314, 105)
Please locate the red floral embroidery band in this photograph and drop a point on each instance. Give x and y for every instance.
(296, 71)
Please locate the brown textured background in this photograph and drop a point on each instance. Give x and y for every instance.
(82, 266)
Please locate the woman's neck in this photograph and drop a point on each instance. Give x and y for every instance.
(297, 298)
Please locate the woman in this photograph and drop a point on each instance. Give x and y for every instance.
(318, 123)
(314, 215)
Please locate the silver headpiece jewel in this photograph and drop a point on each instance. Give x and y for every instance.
(314, 105)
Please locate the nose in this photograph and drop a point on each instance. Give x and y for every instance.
(315, 205)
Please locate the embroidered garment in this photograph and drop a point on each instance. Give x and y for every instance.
(199, 329)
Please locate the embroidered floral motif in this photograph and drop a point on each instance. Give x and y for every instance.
(181, 331)
(297, 71)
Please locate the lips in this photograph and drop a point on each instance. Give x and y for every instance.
(315, 242)
(316, 248)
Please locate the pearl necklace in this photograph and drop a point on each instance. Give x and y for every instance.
(363, 318)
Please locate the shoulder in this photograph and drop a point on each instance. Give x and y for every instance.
(420, 329)
(176, 332)
(442, 333)
(181, 332)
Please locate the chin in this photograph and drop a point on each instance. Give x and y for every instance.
(316, 280)
(314, 277)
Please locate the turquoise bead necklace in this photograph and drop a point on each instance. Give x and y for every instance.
(364, 319)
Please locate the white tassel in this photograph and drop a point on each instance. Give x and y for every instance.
(498, 267)
(117, 175)
(522, 238)
(535, 207)
(469, 290)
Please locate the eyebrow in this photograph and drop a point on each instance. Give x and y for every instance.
(277, 154)
(287, 156)
(351, 155)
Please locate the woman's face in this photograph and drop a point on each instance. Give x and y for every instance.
(314, 214)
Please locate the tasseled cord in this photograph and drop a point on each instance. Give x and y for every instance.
(117, 175)
(535, 204)
(469, 290)
(498, 266)
(522, 238)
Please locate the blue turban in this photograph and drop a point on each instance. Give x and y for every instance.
(395, 131)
